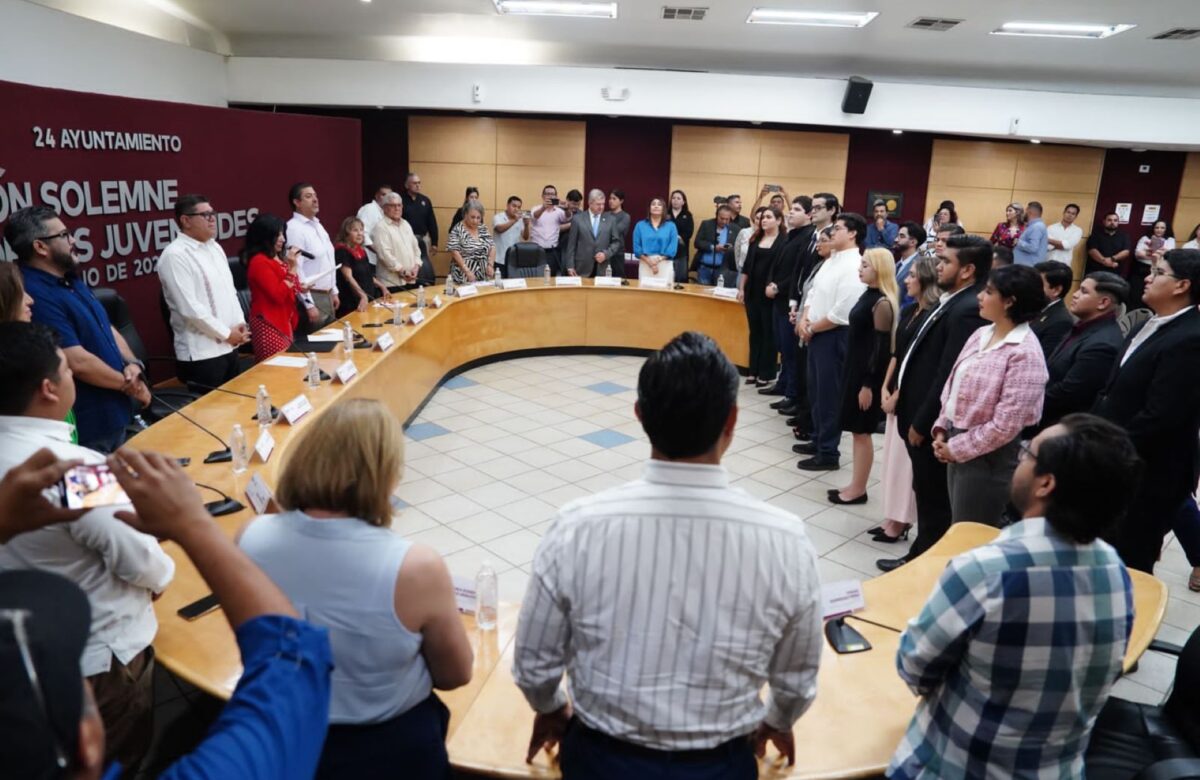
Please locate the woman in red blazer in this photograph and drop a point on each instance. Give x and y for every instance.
(273, 283)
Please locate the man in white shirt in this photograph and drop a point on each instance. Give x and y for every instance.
(371, 214)
(397, 247)
(509, 227)
(206, 317)
(317, 265)
(1063, 237)
(826, 316)
(118, 568)
(632, 597)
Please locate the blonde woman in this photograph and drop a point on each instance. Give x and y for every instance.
(388, 603)
(869, 348)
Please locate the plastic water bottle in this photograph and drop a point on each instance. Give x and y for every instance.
(421, 297)
(264, 407)
(720, 281)
(237, 446)
(348, 338)
(487, 597)
(314, 371)
(496, 275)
(670, 273)
(398, 312)
(546, 274)
(608, 269)
(449, 286)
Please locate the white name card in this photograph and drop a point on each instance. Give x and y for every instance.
(467, 290)
(513, 284)
(345, 371)
(259, 494)
(608, 281)
(725, 292)
(296, 408)
(841, 598)
(654, 284)
(568, 281)
(265, 445)
(437, 301)
(464, 594)
(384, 342)
(416, 318)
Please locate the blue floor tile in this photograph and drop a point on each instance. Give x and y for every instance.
(607, 388)
(458, 382)
(607, 437)
(425, 430)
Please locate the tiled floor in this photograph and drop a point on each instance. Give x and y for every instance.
(498, 449)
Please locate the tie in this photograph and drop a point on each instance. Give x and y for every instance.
(595, 225)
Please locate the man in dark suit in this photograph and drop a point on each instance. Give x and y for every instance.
(1080, 365)
(784, 301)
(1154, 393)
(1055, 322)
(594, 240)
(962, 268)
(714, 249)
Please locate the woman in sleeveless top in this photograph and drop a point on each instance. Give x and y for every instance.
(388, 603)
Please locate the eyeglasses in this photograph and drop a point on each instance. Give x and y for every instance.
(209, 215)
(1157, 272)
(17, 618)
(53, 237)
(1024, 452)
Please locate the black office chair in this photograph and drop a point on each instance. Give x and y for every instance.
(118, 314)
(524, 259)
(1132, 741)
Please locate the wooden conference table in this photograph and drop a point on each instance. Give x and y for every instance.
(862, 708)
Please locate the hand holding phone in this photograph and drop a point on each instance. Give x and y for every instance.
(89, 487)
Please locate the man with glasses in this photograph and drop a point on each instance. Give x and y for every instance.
(1154, 393)
(107, 372)
(207, 322)
(1021, 640)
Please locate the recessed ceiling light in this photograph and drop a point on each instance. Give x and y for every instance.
(897, 132)
(556, 8)
(1052, 30)
(1035, 140)
(810, 18)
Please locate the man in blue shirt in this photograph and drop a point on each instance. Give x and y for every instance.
(273, 727)
(107, 374)
(909, 239)
(1018, 646)
(881, 232)
(1032, 246)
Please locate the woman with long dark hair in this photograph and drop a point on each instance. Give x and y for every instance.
(274, 283)
(763, 252)
(1158, 240)
(685, 226)
(471, 194)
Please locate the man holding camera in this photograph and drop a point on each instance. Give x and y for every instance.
(714, 246)
(545, 228)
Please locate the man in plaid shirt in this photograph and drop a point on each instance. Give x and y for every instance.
(1021, 640)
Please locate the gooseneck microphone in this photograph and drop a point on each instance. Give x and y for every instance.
(226, 506)
(274, 410)
(223, 455)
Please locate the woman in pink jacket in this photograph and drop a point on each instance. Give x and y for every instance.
(995, 389)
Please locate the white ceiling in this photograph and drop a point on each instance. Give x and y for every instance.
(470, 31)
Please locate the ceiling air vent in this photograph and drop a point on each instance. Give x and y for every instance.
(934, 24)
(683, 14)
(1178, 34)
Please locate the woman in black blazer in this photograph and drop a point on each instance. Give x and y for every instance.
(685, 226)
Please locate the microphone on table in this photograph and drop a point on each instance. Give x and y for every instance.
(223, 455)
(226, 506)
(274, 410)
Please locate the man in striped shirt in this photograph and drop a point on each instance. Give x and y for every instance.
(670, 601)
(1016, 650)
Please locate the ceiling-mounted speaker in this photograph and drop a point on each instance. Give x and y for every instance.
(858, 92)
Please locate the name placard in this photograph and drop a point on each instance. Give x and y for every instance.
(467, 290)
(841, 598)
(345, 371)
(568, 281)
(384, 342)
(437, 302)
(608, 281)
(259, 494)
(464, 594)
(725, 292)
(513, 284)
(654, 284)
(296, 408)
(265, 445)
(416, 318)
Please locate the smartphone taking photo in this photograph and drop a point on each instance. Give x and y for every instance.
(90, 487)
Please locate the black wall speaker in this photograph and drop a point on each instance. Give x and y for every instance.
(858, 92)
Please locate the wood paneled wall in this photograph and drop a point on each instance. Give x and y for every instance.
(501, 157)
(710, 161)
(983, 177)
(1187, 209)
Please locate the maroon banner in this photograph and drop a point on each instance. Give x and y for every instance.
(113, 168)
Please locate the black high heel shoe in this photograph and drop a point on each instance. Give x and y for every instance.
(882, 536)
(835, 497)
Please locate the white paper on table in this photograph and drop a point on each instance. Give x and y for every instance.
(654, 284)
(842, 598)
(725, 292)
(326, 335)
(286, 362)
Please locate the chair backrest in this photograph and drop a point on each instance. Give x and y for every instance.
(118, 314)
(524, 254)
(1130, 319)
(238, 271)
(1183, 705)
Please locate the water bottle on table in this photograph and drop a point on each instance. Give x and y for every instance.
(487, 597)
(237, 447)
(313, 376)
(263, 406)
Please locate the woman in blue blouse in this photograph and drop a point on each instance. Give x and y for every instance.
(655, 242)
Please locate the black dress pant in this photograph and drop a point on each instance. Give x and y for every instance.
(212, 372)
(933, 495)
(800, 384)
(1138, 536)
(762, 339)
